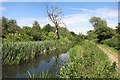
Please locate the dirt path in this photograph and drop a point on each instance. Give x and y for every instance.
(111, 56)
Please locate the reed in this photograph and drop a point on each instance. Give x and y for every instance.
(18, 52)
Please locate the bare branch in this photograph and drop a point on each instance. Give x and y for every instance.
(55, 15)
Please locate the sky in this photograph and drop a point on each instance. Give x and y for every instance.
(60, 0)
(76, 14)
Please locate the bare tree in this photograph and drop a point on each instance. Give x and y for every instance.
(55, 15)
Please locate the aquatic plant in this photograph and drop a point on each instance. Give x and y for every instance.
(18, 52)
(42, 75)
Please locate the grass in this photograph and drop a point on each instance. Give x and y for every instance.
(88, 61)
(42, 75)
(113, 50)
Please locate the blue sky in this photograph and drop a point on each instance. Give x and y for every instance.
(76, 14)
(60, 0)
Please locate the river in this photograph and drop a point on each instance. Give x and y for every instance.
(50, 62)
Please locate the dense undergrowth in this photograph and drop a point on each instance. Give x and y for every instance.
(88, 61)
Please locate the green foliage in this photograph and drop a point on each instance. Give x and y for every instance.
(97, 22)
(0, 48)
(12, 32)
(17, 37)
(12, 26)
(104, 33)
(0, 29)
(36, 31)
(48, 28)
(26, 30)
(73, 34)
(9, 26)
(88, 61)
(101, 31)
(52, 35)
(79, 39)
(36, 25)
(113, 42)
(118, 28)
(63, 41)
(4, 25)
(91, 35)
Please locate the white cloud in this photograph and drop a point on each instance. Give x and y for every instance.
(75, 18)
(103, 12)
(82, 9)
(29, 21)
(2, 8)
(79, 23)
(106, 13)
(112, 23)
(25, 21)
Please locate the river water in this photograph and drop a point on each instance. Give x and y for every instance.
(50, 62)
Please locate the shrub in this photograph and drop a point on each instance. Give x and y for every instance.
(112, 42)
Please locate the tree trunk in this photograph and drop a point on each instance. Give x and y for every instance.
(58, 35)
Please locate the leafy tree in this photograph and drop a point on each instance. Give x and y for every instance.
(100, 28)
(36, 31)
(52, 36)
(36, 25)
(97, 22)
(72, 33)
(0, 28)
(12, 26)
(4, 26)
(79, 38)
(48, 28)
(104, 33)
(118, 28)
(91, 35)
(64, 32)
(27, 30)
(9, 26)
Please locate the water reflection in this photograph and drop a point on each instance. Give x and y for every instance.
(51, 62)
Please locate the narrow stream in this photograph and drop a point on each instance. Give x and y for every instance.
(50, 62)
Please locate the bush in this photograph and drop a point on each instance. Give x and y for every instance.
(17, 37)
(112, 42)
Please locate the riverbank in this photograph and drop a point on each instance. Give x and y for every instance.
(88, 61)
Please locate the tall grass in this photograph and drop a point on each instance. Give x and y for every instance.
(17, 52)
(42, 75)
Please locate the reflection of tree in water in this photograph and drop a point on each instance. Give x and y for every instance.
(55, 65)
(54, 70)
